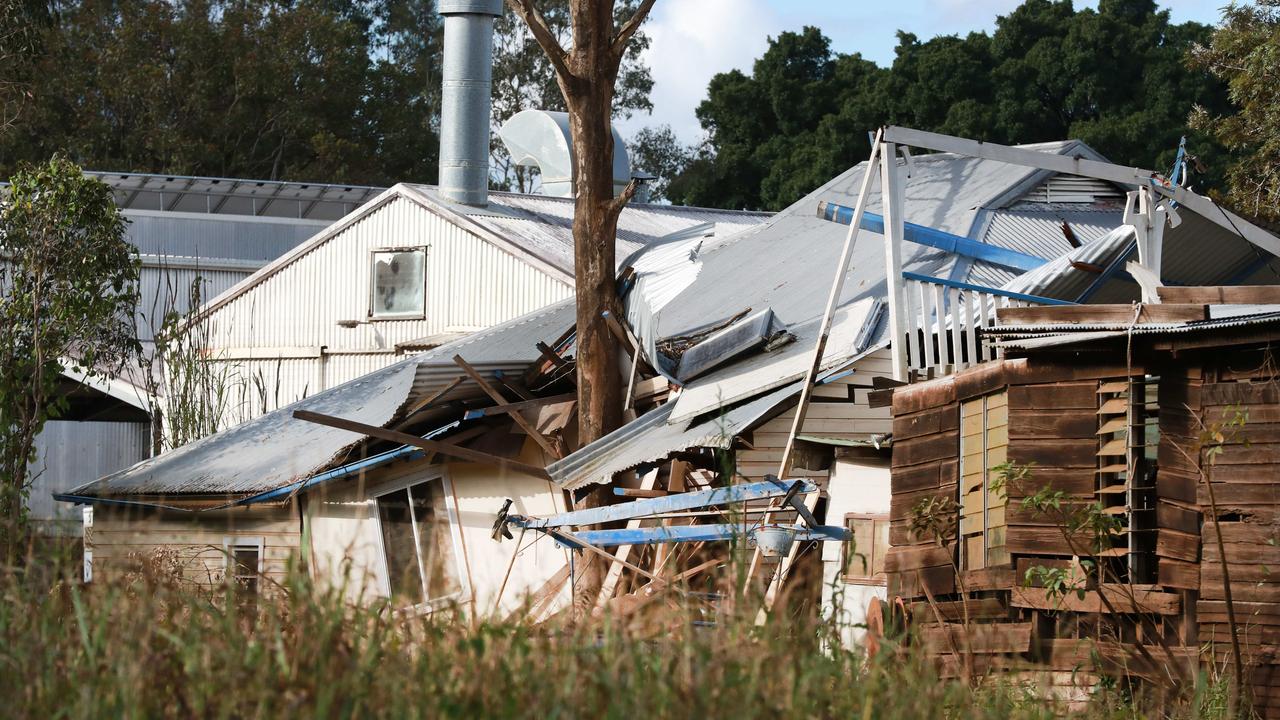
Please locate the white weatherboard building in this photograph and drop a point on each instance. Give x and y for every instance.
(405, 273)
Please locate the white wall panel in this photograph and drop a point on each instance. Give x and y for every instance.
(471, 284)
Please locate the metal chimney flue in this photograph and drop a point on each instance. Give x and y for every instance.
(464, 114)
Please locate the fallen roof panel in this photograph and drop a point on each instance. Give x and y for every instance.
(653, 437)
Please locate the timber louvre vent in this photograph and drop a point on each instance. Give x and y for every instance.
(984, 445)
(1128, 437)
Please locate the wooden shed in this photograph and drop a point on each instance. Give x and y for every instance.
(1100, 501)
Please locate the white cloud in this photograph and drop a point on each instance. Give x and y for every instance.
(691, 42)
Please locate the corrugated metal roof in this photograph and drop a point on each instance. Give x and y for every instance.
(1060, 279)
(1036, 228)
(275, 449)
(763, 371)
(654, 436)
(544, 224)
(234, 196)
(1045, 335)
(786, 265)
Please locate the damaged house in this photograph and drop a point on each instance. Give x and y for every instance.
(400, 484)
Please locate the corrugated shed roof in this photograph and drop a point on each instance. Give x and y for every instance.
(234, 196)
(534, 228)
(545, 224)
(275, 449)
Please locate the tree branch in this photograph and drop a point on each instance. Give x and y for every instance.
(616, 205)
(629, 29)
(545, 38)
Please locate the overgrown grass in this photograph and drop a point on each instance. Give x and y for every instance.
(149, 647)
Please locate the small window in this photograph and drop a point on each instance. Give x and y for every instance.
(399, 283)
(244, 563)
(864, 554)
(417, 543)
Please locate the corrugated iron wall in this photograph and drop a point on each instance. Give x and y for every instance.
(471, 284)
(217, 236)
(70, 453)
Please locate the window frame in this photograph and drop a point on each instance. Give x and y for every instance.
(846, 561)
(231, 543)
(373, 314)
(401, 484)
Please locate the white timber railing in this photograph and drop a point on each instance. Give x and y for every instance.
(943, 320)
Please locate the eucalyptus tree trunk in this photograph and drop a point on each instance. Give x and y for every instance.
(587, 73)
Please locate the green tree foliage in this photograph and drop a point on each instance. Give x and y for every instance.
(657, 151)
(1114, 77)
(320, 90)
(1245, 53)
(524, 79)
(21, 23)
(70, 290)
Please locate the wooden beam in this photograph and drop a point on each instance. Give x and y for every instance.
(640, 492)
(426, 402)
(436, 446)
(1222, 295)
(1111, 314)
(550, 355)
(519, 406)
(519, 419)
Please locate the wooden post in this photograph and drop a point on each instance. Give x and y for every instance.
(892, 199)
(833, 298)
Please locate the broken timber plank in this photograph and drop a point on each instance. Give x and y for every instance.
(1109, 314)
(1222, 295)
(519, 419)
(610, 584)
(436, 446)
(427, 401)
(519, 406)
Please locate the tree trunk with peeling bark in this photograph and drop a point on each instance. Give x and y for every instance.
(587, 73)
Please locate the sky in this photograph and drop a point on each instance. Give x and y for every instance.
(692, 40)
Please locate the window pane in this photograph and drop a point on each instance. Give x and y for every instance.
(882, 547)
(437, 543)
(397, 541)
(244, 567)
(399, 282)
(859, 552)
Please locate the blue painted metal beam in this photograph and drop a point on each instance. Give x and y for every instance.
(671, 503)
(982, 289)
(695, 533)
(921, 235)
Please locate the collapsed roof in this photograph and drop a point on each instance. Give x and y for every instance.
(685, 285)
